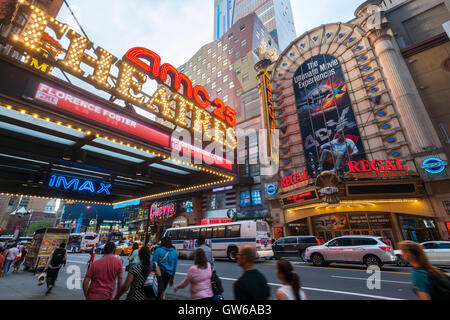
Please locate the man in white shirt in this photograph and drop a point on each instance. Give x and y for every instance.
(10, 257)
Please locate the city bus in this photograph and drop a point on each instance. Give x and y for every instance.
(225, 239)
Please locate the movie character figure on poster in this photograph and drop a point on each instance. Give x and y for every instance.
(338, 149)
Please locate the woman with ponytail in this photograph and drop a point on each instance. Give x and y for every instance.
(423, 272)
(291, 288)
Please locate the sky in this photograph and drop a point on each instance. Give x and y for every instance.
(177, 29)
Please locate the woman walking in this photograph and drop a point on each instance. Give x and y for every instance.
(133, 258)
(422, 270)
(167, 259)
(137, 275)
(291, 288)
(199, 277)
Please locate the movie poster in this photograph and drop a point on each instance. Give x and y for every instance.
(326, 118)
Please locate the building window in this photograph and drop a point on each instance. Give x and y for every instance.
(213, 85)
(236, 40)
(195, 68)
(225, 99)
(225, 62)
(209, 65)
(203, 76)
(219, 74)
(243, 42)
(198, 72)
(251, 196)
(199, 58)
(238, 70)
(208, 80)
(225, 47)
(219, 44)
(231, 67)
(219, 59)
(225, 78)
(230, 35)
(214, 55)
(238, 54)
(219, 91)
(230, 51)
(213, 69)
(231, 84)
(242, 27)
(245, 77)
(209, 51)
(204, 61)
(244, 59)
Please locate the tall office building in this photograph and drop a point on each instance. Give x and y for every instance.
(276, 15)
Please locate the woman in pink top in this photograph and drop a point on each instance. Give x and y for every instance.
(199, 277)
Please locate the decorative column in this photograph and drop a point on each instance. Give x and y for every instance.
(417, 125)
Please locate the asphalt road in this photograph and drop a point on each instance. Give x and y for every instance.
(335, 282)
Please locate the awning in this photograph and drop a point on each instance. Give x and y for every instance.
(127, 204)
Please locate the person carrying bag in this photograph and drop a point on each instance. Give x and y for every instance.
(216, 285)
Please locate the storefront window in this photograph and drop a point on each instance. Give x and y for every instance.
(418, 229)
(299, 228)
(216, 201)
(253, 200)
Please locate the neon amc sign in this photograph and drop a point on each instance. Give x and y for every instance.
(176, 101)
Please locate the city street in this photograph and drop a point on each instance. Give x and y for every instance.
(335, 282)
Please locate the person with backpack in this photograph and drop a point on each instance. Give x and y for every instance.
(57, 259)
(167, 259)
(137, 275)
(291, 288)
(199, 277)
(428, 282)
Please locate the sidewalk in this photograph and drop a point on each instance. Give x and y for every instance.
(23, 286)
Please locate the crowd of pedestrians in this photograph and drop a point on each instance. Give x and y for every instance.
(149, 276)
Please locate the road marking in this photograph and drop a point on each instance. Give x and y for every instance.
(321, 290)
(365, 279)
(314, 267)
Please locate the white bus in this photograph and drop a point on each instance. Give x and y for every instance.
(225, 239)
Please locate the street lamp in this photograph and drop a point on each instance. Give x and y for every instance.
(96, 214)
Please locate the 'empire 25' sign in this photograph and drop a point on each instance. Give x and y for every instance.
(78, 185)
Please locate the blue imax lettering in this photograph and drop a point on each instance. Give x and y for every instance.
(78, 185)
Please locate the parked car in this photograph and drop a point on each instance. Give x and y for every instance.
(294, 246)
(368, 250)
(438, 253)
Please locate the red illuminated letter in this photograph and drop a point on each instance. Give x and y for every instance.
(365, 166)
(353, 165)
(375, 167)
(201, 96)
(176, 79)
(389, 165)
(135, 55)
(399, 164)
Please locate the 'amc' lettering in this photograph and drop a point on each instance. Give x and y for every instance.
(77, 185)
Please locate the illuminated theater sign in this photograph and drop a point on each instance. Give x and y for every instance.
(176, 101)
(162, 211)
(378, 169)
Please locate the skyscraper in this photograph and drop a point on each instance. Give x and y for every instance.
(276, 15)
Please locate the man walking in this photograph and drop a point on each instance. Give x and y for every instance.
(100, 280)
(252, 285)
(10, 257)
(207, 249)
(57, 259)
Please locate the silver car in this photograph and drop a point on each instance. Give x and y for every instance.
(368, 250)
(438, 253)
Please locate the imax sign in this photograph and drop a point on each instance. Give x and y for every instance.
(79, 185)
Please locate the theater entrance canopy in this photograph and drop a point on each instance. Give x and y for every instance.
(58, 140)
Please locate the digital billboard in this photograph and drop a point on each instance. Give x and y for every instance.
(327, 122)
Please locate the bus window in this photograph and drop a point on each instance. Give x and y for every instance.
(175, 234)
(206, 232)
(219, 232)
(194, 233)
(233, 231)
(261, 226)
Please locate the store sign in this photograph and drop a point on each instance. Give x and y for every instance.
(299, 198)
(272, 139)
(215, 221)
(294, 179)
(271, 189)
(162, 211)
(79, 185)
(377, 169)
(176, 100)
(434, 165)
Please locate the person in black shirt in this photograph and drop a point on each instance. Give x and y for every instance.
(252, 285)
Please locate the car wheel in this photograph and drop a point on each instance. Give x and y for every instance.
(372, 260)
(401, 262)
(303, 255)
(232, 254)
(317, 259)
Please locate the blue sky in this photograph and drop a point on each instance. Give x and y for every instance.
(176, 29)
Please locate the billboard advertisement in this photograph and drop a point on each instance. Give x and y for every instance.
(327, 122)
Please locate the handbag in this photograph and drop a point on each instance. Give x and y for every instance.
(152, 283)
(216, 284)
(41, 279)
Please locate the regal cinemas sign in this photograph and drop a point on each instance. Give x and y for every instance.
(378, 169)
(176, 100)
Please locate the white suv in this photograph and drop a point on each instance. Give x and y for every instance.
(368, 250)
